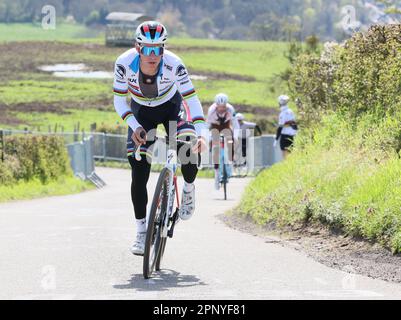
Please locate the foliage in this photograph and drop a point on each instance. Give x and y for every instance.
(358, 77)
(34, 157)
(224, 19)
(342, 175)
(97, 17)
(345, 168)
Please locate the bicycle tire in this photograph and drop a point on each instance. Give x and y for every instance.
(160, 256)
(154, 239)
(225, 181)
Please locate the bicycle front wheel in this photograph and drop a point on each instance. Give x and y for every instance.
(154, 241)
(161, 253)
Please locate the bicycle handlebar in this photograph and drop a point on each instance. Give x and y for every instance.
(179, 142)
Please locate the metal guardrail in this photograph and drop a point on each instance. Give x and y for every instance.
(112, 147)
(261, 152)
(82, 160)
(83, 149)
(81, 157)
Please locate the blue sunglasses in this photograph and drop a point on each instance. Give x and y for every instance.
(147, 51)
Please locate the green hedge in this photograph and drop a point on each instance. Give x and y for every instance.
(29, 157)
(357, 77)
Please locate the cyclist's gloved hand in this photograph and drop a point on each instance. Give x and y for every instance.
(200, 145)
(139, 136)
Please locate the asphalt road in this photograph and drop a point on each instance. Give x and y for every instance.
(77, 247)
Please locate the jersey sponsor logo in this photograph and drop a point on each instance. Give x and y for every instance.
(184, 78)
(181, 71)
(184, 82)
(133, 79)
(165, 82)
(119, 81)
(120, 71)
(169, 68)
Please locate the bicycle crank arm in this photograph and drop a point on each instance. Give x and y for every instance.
(174, 218)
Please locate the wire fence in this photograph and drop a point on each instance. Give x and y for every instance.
(85, 148)
(260, 152)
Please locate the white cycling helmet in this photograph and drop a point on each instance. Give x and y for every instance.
(283, 100)
(221, 99)
(240, 116)
(151, 32)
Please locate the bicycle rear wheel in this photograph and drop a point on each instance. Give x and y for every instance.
(225, 178)
(154, 242)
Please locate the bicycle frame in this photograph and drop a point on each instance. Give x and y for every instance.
(223, 164)
(172, 192)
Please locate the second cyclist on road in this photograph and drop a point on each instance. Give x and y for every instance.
(221, 120)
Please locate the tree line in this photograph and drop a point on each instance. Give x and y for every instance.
(223, 19)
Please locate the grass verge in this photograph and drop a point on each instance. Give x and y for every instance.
(35, 189)
(345, 177)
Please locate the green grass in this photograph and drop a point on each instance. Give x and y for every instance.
(255, 59)
(70, 90)
(35, 32)
(261, 60)
(35, 189)
(352, 186)
(41, 91)
(254, 94)
(68, 121)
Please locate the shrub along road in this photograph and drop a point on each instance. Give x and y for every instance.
(76, 246)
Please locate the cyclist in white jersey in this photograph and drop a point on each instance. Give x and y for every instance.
(246, 130)
(287, 126)
(157, 81)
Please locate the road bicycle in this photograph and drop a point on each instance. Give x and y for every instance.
(163, 215)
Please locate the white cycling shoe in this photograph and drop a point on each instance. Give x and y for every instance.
(187, 205)
(138, 248)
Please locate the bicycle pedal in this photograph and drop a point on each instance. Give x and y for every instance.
(174, 216)
(170, 232)
(174, 220)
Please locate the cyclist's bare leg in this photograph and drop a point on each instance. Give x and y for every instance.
(285, 154)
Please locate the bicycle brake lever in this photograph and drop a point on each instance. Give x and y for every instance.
(138, 154)
(138, 148)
